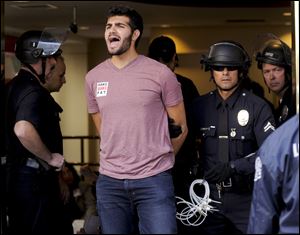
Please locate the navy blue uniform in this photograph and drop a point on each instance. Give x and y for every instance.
(250, 121)
(275, 205)
(33, 199)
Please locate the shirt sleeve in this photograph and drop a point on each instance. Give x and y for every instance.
(264, 124)
(265, 196)
(171, 88)
(31, 108)
(92, 105)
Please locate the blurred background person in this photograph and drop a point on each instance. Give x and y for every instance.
(163, 49)
(275, 63)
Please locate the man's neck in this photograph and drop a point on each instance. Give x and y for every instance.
(120, 61)
(281, 93)
(226, 94)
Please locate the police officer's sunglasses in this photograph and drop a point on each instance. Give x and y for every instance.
(221, 68)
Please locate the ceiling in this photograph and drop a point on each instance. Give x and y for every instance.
(20, 16)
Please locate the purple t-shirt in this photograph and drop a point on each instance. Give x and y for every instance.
(135, 140)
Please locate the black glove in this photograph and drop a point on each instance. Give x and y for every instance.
(174, 130)
(219, 172)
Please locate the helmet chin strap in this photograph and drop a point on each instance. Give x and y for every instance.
(41, 76)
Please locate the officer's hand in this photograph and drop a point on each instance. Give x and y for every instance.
(219, 173)
(57, 161)
(174, 130)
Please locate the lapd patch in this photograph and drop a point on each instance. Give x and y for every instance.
(258, 167)
(243, 117)
(101, 89)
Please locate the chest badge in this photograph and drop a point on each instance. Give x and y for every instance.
(243, 117)
(284, 113)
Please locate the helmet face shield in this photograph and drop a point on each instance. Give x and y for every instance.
(226, 54)
(51, 40)
(269, 49)
(33, 45)
(274, 52)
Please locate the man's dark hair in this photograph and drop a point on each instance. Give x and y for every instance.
(135, 19)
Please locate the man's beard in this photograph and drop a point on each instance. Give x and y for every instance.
(124, 47)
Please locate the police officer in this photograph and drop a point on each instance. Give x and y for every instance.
(232, 123)
(275, 203)
(275, 63)
(34, 140)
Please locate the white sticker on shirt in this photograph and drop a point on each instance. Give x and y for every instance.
(101, 89)
(258, 166)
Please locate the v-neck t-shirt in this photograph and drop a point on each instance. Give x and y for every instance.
(132, 103)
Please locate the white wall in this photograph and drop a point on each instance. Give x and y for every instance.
(74, 119)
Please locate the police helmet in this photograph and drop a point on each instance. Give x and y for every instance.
(163, 48)
(275, 52)
(226, 53)
(34, 44)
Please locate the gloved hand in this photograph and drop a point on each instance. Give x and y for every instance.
(174, 130)
(220, 172)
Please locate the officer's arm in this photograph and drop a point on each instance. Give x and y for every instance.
(97, 121)
(177, 113)
(263, 205)
(31, 140)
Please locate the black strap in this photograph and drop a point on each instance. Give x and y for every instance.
(223, 143)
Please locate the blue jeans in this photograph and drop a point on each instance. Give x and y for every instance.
(148, 203)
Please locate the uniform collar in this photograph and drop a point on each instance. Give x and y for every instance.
(231, 100)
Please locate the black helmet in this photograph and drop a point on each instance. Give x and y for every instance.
(34, 44)
(275, 52)
(162, 48)
(226, 53)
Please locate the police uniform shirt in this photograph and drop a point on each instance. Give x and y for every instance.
(275, 204)
(28, 100)
(250, 121)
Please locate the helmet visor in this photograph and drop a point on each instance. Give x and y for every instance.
(51, 40)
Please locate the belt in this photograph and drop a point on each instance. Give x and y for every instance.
(32, 163)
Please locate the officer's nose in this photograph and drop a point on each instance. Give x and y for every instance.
(225, 70)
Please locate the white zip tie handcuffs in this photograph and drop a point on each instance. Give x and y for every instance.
(198, 207)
